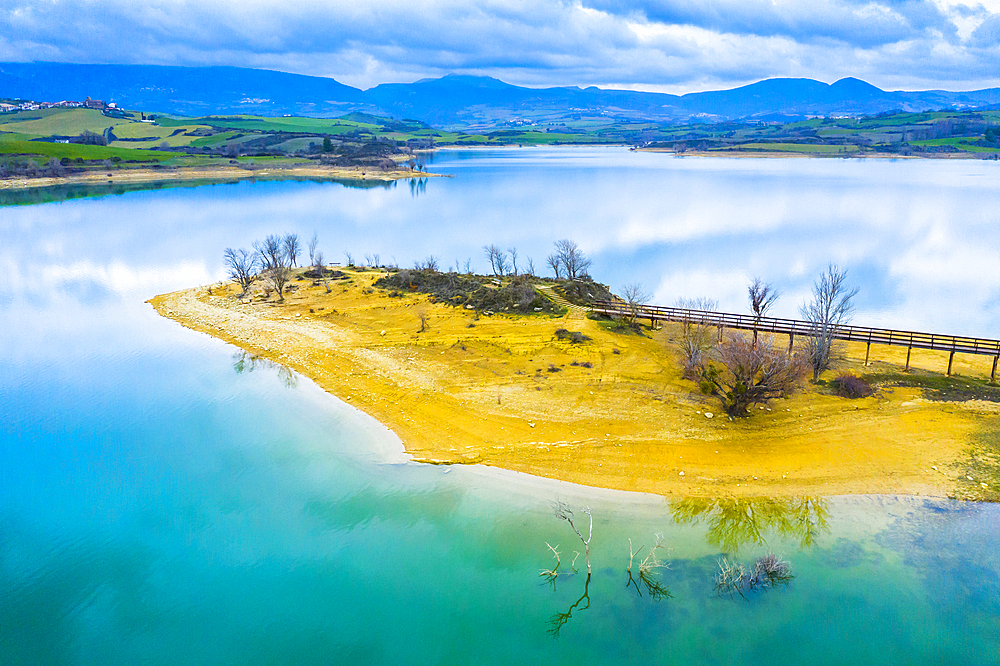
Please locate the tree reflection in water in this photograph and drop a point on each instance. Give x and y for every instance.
(557, 621)
(733, 522)
(247, 362)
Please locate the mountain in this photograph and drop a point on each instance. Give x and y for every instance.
(181, 90)
(454, 101)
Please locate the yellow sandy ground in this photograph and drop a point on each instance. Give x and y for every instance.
(215, 173)
(480, 391)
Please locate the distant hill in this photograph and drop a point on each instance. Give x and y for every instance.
(454, 101)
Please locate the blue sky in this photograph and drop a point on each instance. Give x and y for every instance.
(666, 45)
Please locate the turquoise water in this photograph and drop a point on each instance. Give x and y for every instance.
(159, 506)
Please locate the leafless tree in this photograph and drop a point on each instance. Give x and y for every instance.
(762, 297)
(292, 248)
(377, 260)
(243, 266)
(555, 264)
(531, 267)
(513, 260)
(422, 316)
(349, 257)
(696, 338)
(829, 309)
(563, 512)
(275, 262)
(647, 570)
(572, 258)
(313, 243)
(635, 297)
(318, 265)
(751, 373)
(468, 266)
(497, 259)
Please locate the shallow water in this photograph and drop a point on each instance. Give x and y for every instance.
(159, 506)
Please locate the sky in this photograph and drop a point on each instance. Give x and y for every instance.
(674, 46)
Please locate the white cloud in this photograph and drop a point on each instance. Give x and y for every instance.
(668, 45)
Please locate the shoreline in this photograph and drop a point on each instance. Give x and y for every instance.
(462, 393)
(219, 173)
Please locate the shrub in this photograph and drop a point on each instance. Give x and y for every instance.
(851, 386)
(575, 337)
(517, 296)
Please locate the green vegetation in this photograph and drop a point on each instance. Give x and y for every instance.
(515, 295)
(360, 139)
(937, 386)
(74, 151)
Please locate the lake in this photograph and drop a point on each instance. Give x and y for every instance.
(165, 500)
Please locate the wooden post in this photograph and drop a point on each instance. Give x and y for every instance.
(908, 350)
(868, 350)
(993, 373)
(951, 357)
(791, 341)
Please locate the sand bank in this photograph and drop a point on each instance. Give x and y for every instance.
(212, 173)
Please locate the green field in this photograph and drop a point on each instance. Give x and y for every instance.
(59, 122)
(76, 150)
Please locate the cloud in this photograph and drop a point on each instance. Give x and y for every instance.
(677, 45)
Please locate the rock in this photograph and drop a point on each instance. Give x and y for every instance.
(709, 415)
(681, 474)
(382, 333)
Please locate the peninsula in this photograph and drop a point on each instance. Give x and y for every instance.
(561, 395)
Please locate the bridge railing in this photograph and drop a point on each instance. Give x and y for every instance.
(792, 327)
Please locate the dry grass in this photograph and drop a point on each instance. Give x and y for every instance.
(478, 390)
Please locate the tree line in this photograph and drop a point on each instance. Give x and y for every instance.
(271, 260)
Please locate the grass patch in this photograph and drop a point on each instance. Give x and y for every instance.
(938, 387)
(77, 150)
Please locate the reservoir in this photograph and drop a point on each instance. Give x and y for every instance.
(166, 500)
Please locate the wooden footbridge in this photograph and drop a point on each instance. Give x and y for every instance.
(792, 327)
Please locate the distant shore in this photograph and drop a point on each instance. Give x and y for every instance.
(212, 173)
(611, 412)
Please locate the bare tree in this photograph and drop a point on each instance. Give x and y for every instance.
(696, 338)
(292, 248)
(647, 574)
(243, 265)
(313, 243)
(635, 297)
(513, 260)
(275, 262)
(563, 512)
(497, 259)
(531, 267)
(428, 264)
(555, 264)
(468, 266)
(573, 260)
(349, 258)
(318, 265)
(829, 309)
(751, 373)
(377, 259)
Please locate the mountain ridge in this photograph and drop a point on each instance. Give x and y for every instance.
(456, 100)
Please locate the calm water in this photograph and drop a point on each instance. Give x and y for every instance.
(163, 502)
